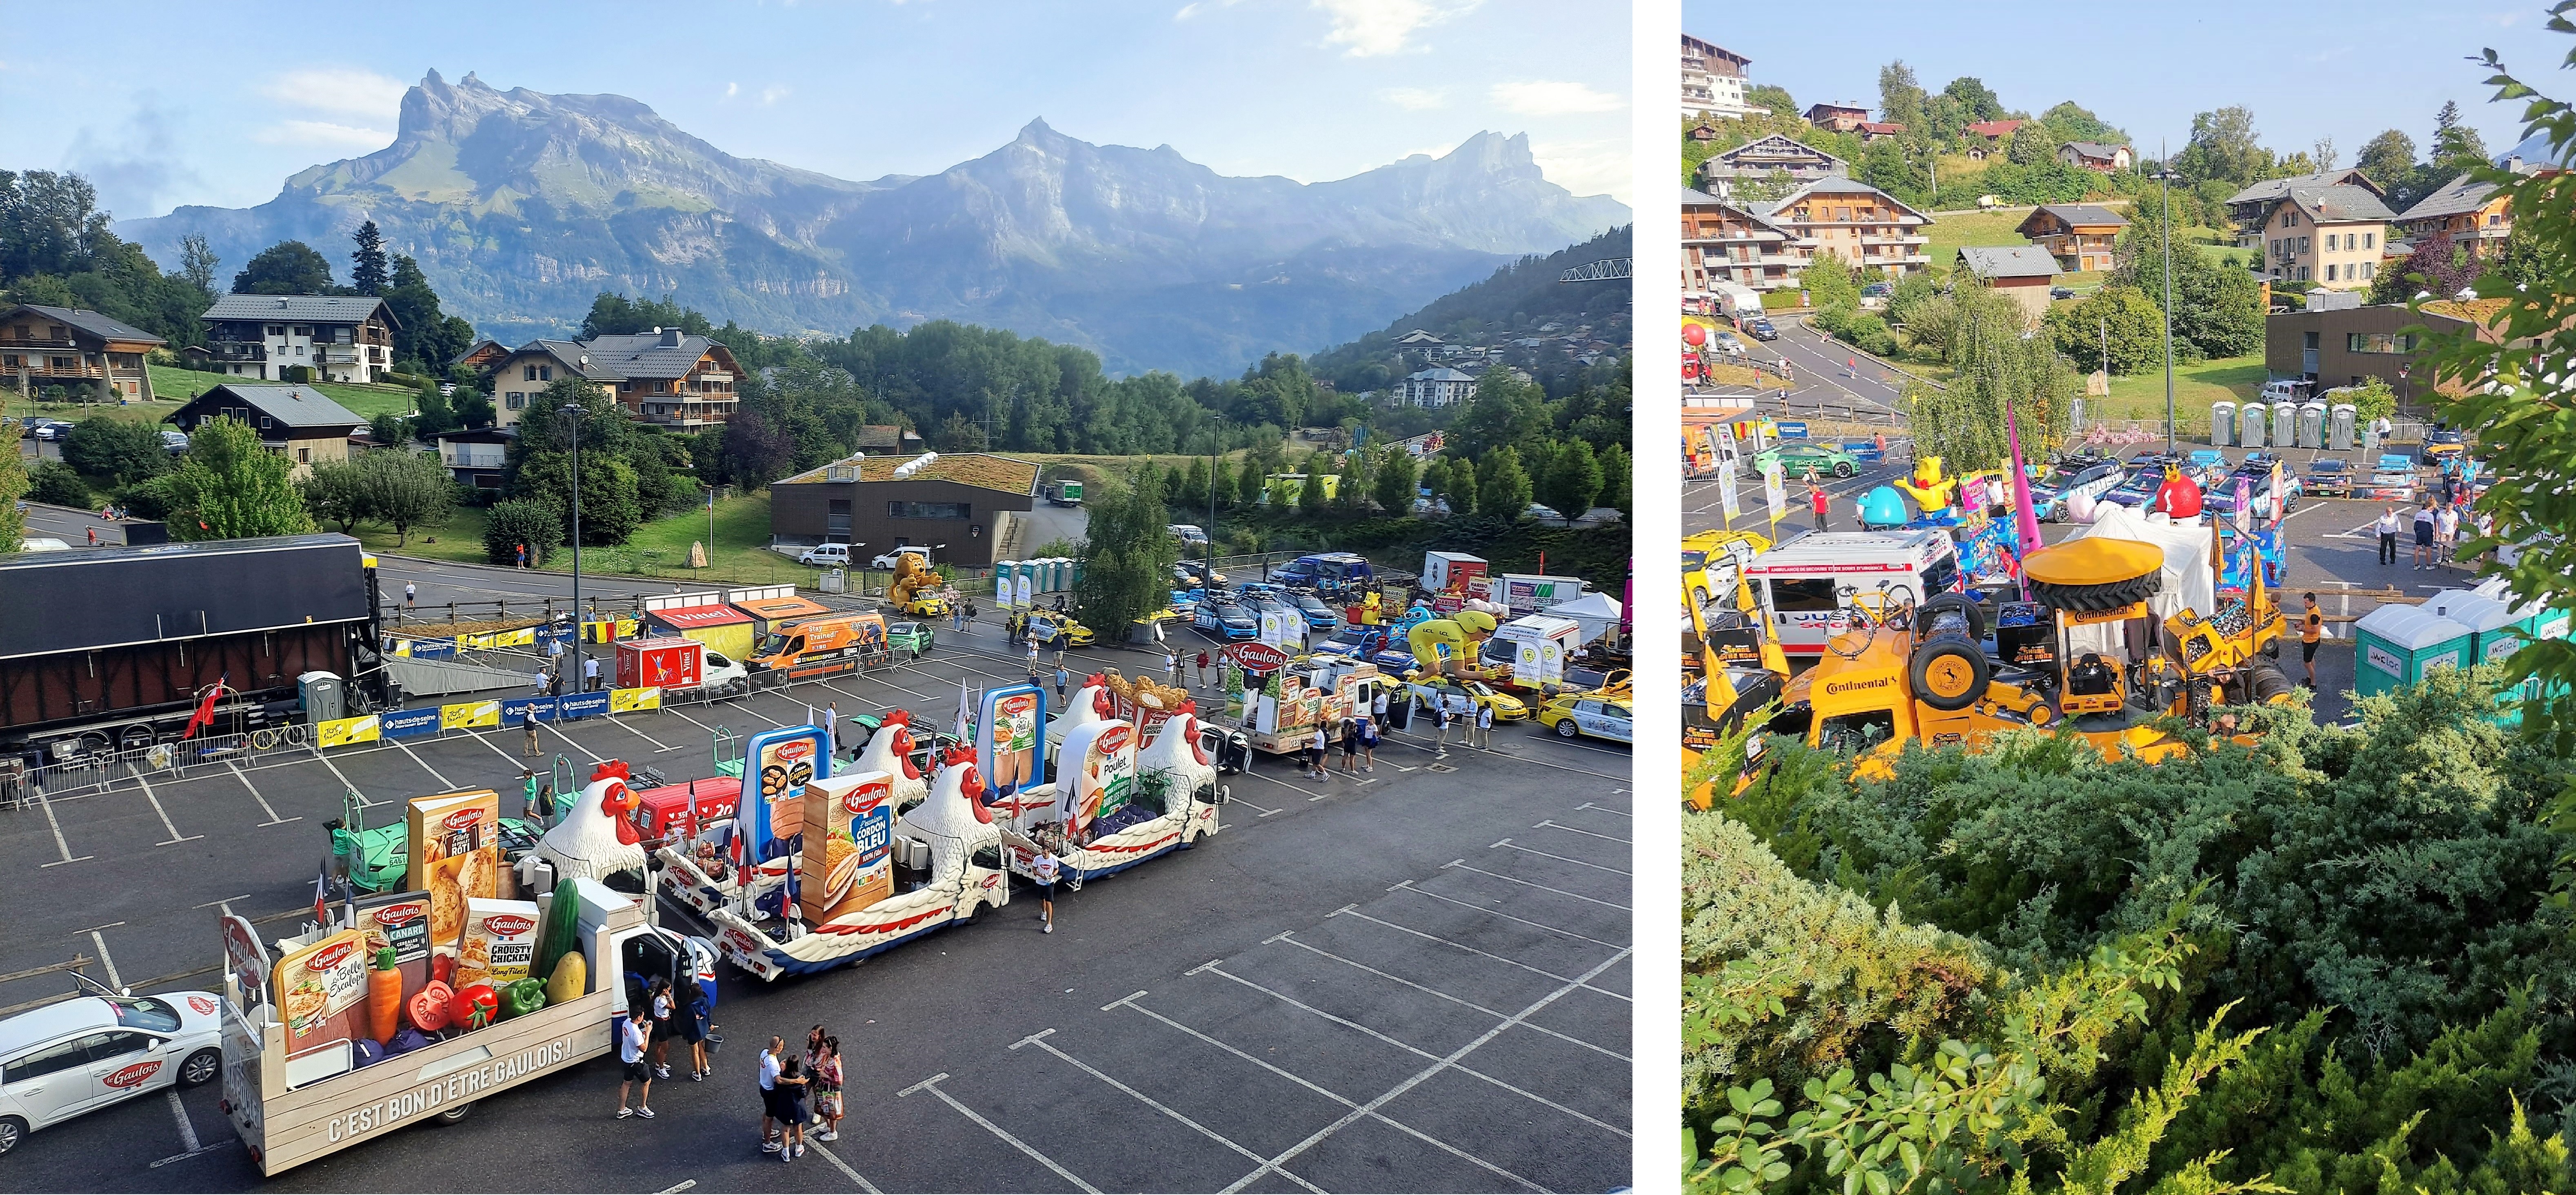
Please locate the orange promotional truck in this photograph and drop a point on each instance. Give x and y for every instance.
(822, 645)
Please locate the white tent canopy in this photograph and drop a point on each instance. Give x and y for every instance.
(1597, 611)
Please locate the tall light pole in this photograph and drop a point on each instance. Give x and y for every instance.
(2164, 182)
(574, 412)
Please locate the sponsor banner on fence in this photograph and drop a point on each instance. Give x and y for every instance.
(627, 701)
(409, 724)
(581, 705)
(425, 649)
(515, 710)
(609, 630)
(523, 637)
(469, 715)
(1790, 429)
(341, 732)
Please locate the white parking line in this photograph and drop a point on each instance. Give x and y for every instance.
(621, 724)
(1572, 830)
(149, 795)
(47, 804)
(1431, 991)
(515, 761)
(1560, 858)
(443, 782)
(595, 757)
(1408, 887)
(737, 704)
(1461, 865)
(691, 721)
(363, 802)
(828, 1156)
(244, 777)
(1038, 1039)
(1380, 1117)
(1451, 1061)
(1354, 911)
(1605, 809)
(931, 1085)
(106, 960)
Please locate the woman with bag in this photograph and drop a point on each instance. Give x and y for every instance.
(827, 1088)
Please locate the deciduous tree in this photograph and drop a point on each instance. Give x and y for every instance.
(405, 489)
(229, 486)
(119, 452)
(285, 268)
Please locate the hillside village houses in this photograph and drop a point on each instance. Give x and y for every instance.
(2473, 214)
(2081, 236)
(2325, 228)
(1713, 82)
(81, 352)
(1765, 157)
(2022, 273)
(664, 377)
(2095, 156)
(336, 338)
(1764, 245)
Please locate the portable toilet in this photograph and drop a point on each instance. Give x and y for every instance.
(2251, 421)
(2397, 645)
(1059, 574)
(2285, 425)
(2494, 632)
(1003, 571)
(2339, 425)
(2312, 424)
(2222, 423)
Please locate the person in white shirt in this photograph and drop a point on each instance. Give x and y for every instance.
(770, 1142)
(1485, 726)
(2446, 535)
(1317, 744)
(590, 674)
(631, 1038)
(1043, 870)
(2388, 527)
(411, 594)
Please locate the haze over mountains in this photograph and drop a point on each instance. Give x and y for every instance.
(521, 206)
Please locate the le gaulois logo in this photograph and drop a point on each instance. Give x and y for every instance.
(508, 925)
(332, 958)
(796, 749)
(865, 797)
(133, 1075)
(465, 819)
(396, 916)
(204, 1006)
(1113, 740)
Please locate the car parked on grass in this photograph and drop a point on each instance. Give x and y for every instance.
(174, 442)
(81, 1055)
(2061, 292)
(1798, 457)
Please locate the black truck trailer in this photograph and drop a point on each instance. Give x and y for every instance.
(113, 648)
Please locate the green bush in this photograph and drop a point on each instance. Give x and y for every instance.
(58, 484)
(536, 522)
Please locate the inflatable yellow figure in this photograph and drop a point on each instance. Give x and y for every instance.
(1454, 639)
(1369, 611)
(1929, 489)
(911, 572)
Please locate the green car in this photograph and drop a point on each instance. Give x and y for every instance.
(914, 637)
(1797, 457)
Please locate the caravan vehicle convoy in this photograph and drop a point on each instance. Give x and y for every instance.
(1803, 586)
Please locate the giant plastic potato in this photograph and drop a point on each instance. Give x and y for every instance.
(1451, 638)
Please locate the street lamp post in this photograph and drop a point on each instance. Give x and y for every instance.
(579, 651)
(2164, 182)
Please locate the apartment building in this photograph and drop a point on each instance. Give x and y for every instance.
(2251, 208)
(1766, 157)
(1724, 241)
(2327, 235)
(296, 422)
(1854, 221)
(89, 356)
(664, 377)
(1842, 117)
(338, 338)
(1713, 81)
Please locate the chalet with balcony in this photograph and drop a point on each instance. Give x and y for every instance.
(482, 357)
(88, 355)
(2081, 236)
(2095, 156)
(1881, 130)
(1724, 241)
(337, 338)
(1840, 118)
(299, 423)
(2250, 209)
(1713, 81)
(2022, 273)
(2473, 214)
(1764, 158)
(1854, 221)
(665, 377)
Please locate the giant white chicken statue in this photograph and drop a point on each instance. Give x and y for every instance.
(889, 750)
(1175, 752)
(597, 836)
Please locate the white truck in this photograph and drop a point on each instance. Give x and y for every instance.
(1531, 652)
(1529, 593)
(291, 1108)
(1281, 717)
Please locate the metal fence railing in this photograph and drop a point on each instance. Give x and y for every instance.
(101, 770)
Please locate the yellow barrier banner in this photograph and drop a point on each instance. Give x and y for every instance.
(523, 637)
(627, 701)
(474, 642)
(470, 715)
(340, 732)
(610, 630)
(402, 647)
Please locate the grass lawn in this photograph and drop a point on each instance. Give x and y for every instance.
(1956, 230)
(657, 549)
(365, 401)
(2141, 396)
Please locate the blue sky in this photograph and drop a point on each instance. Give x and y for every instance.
(192, 105)
(2344, 70)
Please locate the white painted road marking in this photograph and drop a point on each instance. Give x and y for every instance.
(931, 1085)
(1462, 866)
(47, 804)
(244, 777)
(1038, 1039)
(149, 795)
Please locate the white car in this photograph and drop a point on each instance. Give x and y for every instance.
(894, 559)
(828, 555)
(82, 1055)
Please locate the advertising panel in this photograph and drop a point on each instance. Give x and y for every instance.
(1010, 728)
(1104, 775)
(340, 732)
(780, 762)
(409, 724)
(855, 867)
(627, 701)
(470, 715)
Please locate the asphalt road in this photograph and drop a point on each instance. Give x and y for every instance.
(2331, 548)
(1416, 979)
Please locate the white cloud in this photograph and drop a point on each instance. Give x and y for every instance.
(322, 132)
(1588, 167)
(1552, 97)
(773, 93)
(1416, 99)
(1370, 28)
(1194, 7)
(344, 90)
(732, 90)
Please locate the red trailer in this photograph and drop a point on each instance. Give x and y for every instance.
(665, 813)
(660, 663)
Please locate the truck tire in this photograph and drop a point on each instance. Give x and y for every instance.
(1949, 674)
(1927, 616)
(2095, 598)
(455, 1114)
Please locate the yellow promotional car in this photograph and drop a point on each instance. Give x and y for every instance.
(1719, 548)
(1506, 707)
(1056, 630)
(926, 605)
(1572, 714)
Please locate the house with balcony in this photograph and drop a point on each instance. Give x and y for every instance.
(2473, 214)
(2328, 235)
(1854, 221)
(2095, 156)
(89, 356)
(1989, 136)
(1880, 130)
(1839, 118)
(2081, 236)
(1724, 241)
(1713, 81)
(299, 423)
(2252, 207)
(482, 357)
(665, 377)
(1763, 158)
(335, 338)
(1439, 386)
(475, 456)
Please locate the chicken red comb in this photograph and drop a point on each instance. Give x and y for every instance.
(958, 753)
(615, 768)
(1096, 679)
(896, 718)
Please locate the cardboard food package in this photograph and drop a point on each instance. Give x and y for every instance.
(855, 868)
(455, 857)
(322, 991)
(499, 944)
(400, 920)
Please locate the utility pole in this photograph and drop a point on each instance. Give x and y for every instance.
(2164, 181)
(574, 412)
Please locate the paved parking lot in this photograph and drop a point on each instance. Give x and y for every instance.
(1410, 980)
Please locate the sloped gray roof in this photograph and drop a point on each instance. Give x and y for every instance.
(2084, 213)
(93, 323)
(2012, 261)
(2094, 149)
(571, 353)
(2456, 196)
(312, 309)
(2272, 189)
(1440, 373)
(293, 406)
(1777, 143)
(2341, 203)
(644, 355)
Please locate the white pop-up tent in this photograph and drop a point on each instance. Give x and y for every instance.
(1597, 611)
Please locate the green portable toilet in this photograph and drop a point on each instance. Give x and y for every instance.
(1003, 571)
(2396, 645)
(1059, 577)
(2494, 631)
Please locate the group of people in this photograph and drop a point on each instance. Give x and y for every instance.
(2437, 524)
(800, 1090)
(644, 1042)
(1357, 735)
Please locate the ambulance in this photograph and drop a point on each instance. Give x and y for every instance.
(1807, 581)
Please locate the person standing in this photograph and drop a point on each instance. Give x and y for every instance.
(1445, 715)
(793, 1085)
(2312, 627)
(523, 555)
(1816, 502)
(590, 674)
(631, 1037)
(832, 726)
(1319, 744)
(1203, 668)
(694, 1028)
(769, 1070)
(554, 680)
(1042, 872)
(1377, 708)
(1350, 746)
(663, 1009)
(1485, 727)
(1368, 742)
(411, 593)
(827, 1087)
(2387, 526)
(2424, 536)
(1172, 668)
(1061, 676)
(528, 722)
(2446, 534)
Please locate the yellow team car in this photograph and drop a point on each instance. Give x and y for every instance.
(1056, 630)
(926, 605)
(1571, 714)
(1724, 553)
(1506, 707)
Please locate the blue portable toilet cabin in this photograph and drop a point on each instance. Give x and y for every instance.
(2494, 632)
(2396, 645)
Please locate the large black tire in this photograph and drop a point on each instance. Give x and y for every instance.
(1844, 469)
(1927, 617)
(2089, 599)
(2271, 686)
(1949, 673)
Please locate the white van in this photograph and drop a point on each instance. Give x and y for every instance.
(1800, 582)
(827, 555)
(2289, 390)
